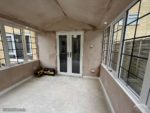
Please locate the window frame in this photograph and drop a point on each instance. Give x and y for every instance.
(144, 97)
(104, 44)
(5, 44)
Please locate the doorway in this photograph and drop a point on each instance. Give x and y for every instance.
(69, 53)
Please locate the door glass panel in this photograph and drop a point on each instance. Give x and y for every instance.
(76, 54)
(63, 53)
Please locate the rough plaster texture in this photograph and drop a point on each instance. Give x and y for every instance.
(47, 50)
(91, 56)
(119, 100)
(12, 75)
(58, 94)
(43, 13)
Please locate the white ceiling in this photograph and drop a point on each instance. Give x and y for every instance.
(47, 14)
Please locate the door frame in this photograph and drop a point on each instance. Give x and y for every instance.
(68, 33)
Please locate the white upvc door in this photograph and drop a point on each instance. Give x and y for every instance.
(69, 53)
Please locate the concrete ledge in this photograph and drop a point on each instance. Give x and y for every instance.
(11, 75)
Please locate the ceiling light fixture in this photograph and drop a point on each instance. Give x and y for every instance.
(105, 23)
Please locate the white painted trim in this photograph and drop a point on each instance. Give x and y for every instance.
(69, 61)
(17, 65)
(15, 85)
(107, 97)
(128, 92)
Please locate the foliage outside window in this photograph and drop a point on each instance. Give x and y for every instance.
(136, 46)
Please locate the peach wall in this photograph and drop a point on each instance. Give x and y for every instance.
(119, 100)
(47, 49)
(12, 75)
(91, 56)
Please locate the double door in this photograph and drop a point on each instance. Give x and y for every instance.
(69, 53)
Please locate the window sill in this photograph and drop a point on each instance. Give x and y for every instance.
(17, 65)
(138, 105)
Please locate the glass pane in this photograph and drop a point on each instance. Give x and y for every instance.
(119, 35)
(30, 57)
(63, 52)
(120, 24)
(138, 67)
(115, 36)
(33, 45)
(17, 31)
(145, 7)
(1, 54)
(130, 32)
(125, 62)
(32, 34)
(135, 83)
(123, 74)
(142, 47)
(34, 51)
(143, 28)
(128, 47)
(1, 46)
(113, 66)
(76, 54)
(116, 27)
(133, 13)
(115, 57)
(8, 29)
(116, 47)
(26, 31)
(33, 39)
(35, 57)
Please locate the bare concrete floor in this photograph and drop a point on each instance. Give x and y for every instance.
(58, 94)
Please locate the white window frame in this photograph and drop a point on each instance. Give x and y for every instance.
(5, 44)
(30, 42)
(143, 100)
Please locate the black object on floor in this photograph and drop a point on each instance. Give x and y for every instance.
(45, 71)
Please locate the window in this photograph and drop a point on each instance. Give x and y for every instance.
(15, 46)
(105, 45)
(132, 18)
(30, 39)
(117, 34)
(2, 56)
(136, 46)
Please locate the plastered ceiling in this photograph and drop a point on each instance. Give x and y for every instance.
(51, 15)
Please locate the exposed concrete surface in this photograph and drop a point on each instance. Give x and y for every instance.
(58, 94)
